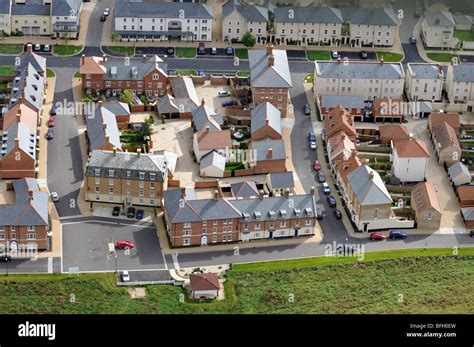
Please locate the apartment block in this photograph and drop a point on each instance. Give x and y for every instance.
(161, 21)
(368, 79)
(126, 178)
(460, 84)
(239, 18)
(424, 82)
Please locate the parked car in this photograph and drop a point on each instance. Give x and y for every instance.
(125, 276)
(377, 237)
(131, 212)
(201, 48)
(307, 109)
(337, 214)
(54, 196)
(47, 48)
(106, 12)
(405, 119)
(51, 122)
(50, 134)
(200, 73)
(417, 14)
(140, 214)
(311, 137)
(53, 111)
(357, 141)
(319, 213)
(326, 189)
(413, 39)
(334, 54)
(331, 201)
(363, 55)
(116, 211)
(395, 234)
(37, 47)
(229, 51)
(229, 103)
(471, 233)
(170, 50)
(223, 93)
(122, 244)
(103, 18)
(312, 145)
(5, 258)
(321, 177)
(317, 165)
(214, 51)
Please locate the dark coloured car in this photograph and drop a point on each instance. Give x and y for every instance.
(131, 212)
(229, 51)
(319, 214)
(395, 234)
(116, 211)
(311, 137)
(50, 134)
(229, 103)
(471, 233)
(307, 109)
(103, 18)
(5, 258)
(140, 214)
(338, 214)
(201, 48)
(331, 201)
(321, 177)
(170, 51)
(364, 55)
(53, 111)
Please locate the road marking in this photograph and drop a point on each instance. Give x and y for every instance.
(50, 265)
(113, 270)
(175, 260)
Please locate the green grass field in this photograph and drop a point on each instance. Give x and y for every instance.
(441, 57)
(464, 35)
(50, 73)
(243, 73)
(191, 72)
(318, 55)
(390, 57)
(241, 53)
(66, 49)
(425, 281)
(10, 48)
(185, 52)
(121, 50)
(7, 70)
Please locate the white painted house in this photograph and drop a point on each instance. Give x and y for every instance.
(410, 159)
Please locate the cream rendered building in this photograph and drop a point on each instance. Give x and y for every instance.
(32, 17)
(460, 84)
(424, 82)
(437, 30)
(239, 18)
(372, 80)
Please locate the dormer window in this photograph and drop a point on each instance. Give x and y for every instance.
(97, 172)
(111, 173)
(141, 175)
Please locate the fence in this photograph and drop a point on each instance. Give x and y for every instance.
(206, 184)
(399, 189)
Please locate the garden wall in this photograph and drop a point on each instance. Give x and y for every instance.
(173, 183)
(206, 184)
(236, 111)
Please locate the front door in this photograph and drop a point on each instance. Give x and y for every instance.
(203, 240)
(296, 232)
(270, 235)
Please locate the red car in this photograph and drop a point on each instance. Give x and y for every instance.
(377, 237)
(122, 244)
(317, 165)
(51, 122)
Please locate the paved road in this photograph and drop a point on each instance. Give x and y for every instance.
(408, 8)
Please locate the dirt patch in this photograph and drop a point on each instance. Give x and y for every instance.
(137, 293)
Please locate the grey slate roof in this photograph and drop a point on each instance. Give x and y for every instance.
(262, 75)
(117, 108)
(462, 19)
(364, 16)
(95, 128)
(440, 18)
(264, 113)
(124, 71)
(26, 140)
(29, 84)
(170, 104)
(463, 72)
(426, 71)
(467, 213)
(124, 162)
(213, 159)
(31, 58)
(31, 8)
(5, 6)
(279, 207)
(249, 12)
(261, 148)
(181, 209)
(245, 189)
(64, 7)
(458, 169)
(138, 8)
(368, 191)
(202, 117)
(308, 14)
(22, 212)
(183, 87)
(278, 180)
(347, 101)
(360, 70)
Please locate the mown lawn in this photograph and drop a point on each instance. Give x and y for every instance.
(185, 52)
(441, 57)
(390, 57)
(7, 70)
(10, 48)
(243, 73)
(66, 49)
(241, 53)
(428, 284)
(121, 50)
(464, 35)
(318, 55)
(191, 72)
(50, 73)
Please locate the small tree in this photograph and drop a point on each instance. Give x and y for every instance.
(127, 96)
(249, 40)
(65, 38)
(114, 37)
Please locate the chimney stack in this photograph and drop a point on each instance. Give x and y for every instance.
(18, 116)
(270, 153)
(182, 192)
(17, 142)
(312, 190)
(165, 59)
(104, 125)
(144, 58)
(271, 60)
(216, 194)
(83, 59)
(114, 150)
(269, 49)
(287, 193)
(371, 175)
(104, 57)
(139, 152)
(207, 128)
(30, 194)
(29, 48)
(261, 193)
(203, 102)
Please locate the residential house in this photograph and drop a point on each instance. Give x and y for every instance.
(140, 20)
(204, 285)
(392, 132)
(465, 195)
(5, 11)
(410, 159)
(182, 102)
(467, 214)
(437, 30)
(369, 27)
(463, 22)
(125, 178)
(66, 18)
(270, 156)
(339, 147)
(369, 202)
(120, 110)
(245, 189)
(444, 131)
(212, 164)
(459, 174)
(207, 141)
(460, 84)
(31, 17)
(388, 110)
(239, 18)
(354, 104)
(102, 128)
(339, 120)
(143, 76)
(25, 223)
(424, 82)
(368, 79)
(307, 25)
(204, 117)
(270, 77)
(279, 183)
(265, 122)
(425, 204)
(343, 168)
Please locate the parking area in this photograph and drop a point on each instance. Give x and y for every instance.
(356, 55)
(106, 211)
(39, 48)
(85, 245)
(210, 92)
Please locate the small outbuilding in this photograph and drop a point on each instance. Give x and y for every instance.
(204, 285)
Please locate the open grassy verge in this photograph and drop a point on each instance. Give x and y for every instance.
(50, 73)
(464, 35)
(66, 49)
(243, 73)
(185, 52)
(318, 55)
(241, 53)
(6, 70)
(390, 57)
(441, 57)
(122, 50)
(10, 48)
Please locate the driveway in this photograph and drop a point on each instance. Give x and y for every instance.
(85, 245)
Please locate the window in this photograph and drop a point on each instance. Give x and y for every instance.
(229, 229)
(141, 175)
(111, 182)
(282, 224)
(214, 230)
(31, 228)
(214, 222)
(2, 236)
(97, 172)
(152, 176)
(31, 236)
(13, 236)
(187, 225)
(376, 213)
(186, 242)
(12, 228)
(308, 222)
(97, 189)
(430, 215)
(257, 226)
(204, 231)
(204, 223)
(214, 239)
(224, 238)
(186, 232)
(224, 229)
(111, 190)
(257, 235)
